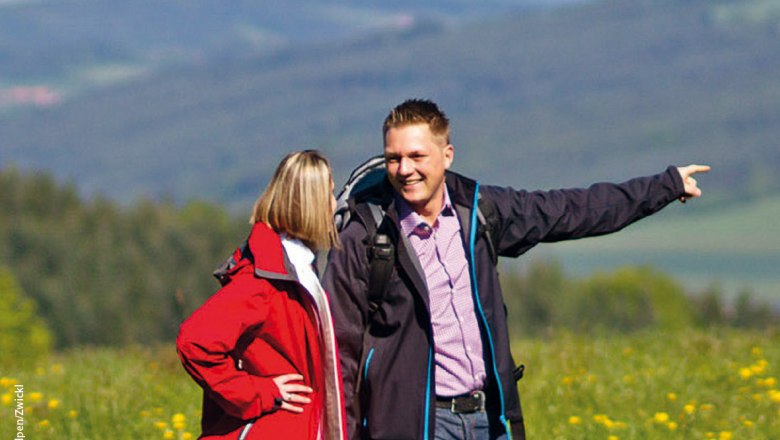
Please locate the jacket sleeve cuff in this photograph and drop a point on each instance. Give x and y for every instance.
(269, 397)
(676, 180)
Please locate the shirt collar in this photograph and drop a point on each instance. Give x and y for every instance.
(412, 222)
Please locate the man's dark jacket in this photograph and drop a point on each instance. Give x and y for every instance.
(397, 394)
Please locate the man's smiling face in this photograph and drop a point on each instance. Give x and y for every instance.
(416, 160)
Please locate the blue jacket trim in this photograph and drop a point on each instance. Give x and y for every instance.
(428, 395)
(472, 242)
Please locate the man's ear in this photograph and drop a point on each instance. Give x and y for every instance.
(449, 155)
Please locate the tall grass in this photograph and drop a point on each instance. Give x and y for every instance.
(717, 384)
(652, 385)
(133, 393)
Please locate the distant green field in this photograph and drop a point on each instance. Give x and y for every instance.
(736, 247)
(719, 384)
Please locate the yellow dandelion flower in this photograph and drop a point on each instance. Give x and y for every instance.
(661, 417)
(689, 409)
(759, 367)
(671, 397)
(612, 437)
(745, 373)
(706, 407)
(168, 434)
(725, 435)
(160, 425)
(769, 382)
(57, 369)
(757, 397)
(748, 424)
(145, 414)
(609, 424)
(574, 420)
(567, 380)
(186, 436)
(710, 435)
(158, 410)
(6, 382)
(73, 414)
(756, 351)
(672, 426)
(44, 423)
(600, 418)
(774, 396)
(36, 397)
(7, 398)
(54, 404)
(179, 421)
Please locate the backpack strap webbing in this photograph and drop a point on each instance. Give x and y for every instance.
(381, 257)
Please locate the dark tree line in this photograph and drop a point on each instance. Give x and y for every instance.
(542, 298)
(108, 274)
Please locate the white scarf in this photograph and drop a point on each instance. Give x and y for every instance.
(302, 258)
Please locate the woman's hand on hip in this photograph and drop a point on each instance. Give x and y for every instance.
(293, 393)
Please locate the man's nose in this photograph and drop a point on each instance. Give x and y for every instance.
(405, 166)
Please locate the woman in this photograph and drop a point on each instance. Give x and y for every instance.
(263, 347)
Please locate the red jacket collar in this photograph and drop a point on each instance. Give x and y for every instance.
(264, 250)
(265, 245)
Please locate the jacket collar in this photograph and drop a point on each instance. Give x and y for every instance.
(268, 254)
(263, 250)
(460, 188)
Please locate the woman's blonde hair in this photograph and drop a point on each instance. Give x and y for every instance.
(297, 201)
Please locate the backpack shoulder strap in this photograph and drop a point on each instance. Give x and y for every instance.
(489, 225)
(381, 252)
(381, 256)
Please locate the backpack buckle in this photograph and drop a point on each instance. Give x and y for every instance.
(382, 248)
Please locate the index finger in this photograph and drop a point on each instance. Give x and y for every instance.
(284, 378)
(698, 168)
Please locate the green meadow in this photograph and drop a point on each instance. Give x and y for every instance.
(697, 384)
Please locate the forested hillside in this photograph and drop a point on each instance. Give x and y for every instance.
(105, 274)
(596, 91)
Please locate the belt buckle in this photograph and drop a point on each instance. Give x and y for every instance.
(475, 403)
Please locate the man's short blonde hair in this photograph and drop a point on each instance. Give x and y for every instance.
(297, 201)
(419, 111)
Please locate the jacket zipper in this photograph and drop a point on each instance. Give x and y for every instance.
(472, 242)
(245, 431)
(365, 379)
(427, 422)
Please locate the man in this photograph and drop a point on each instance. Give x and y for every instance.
(435, 361)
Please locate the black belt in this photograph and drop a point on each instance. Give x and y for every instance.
(467, 403)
